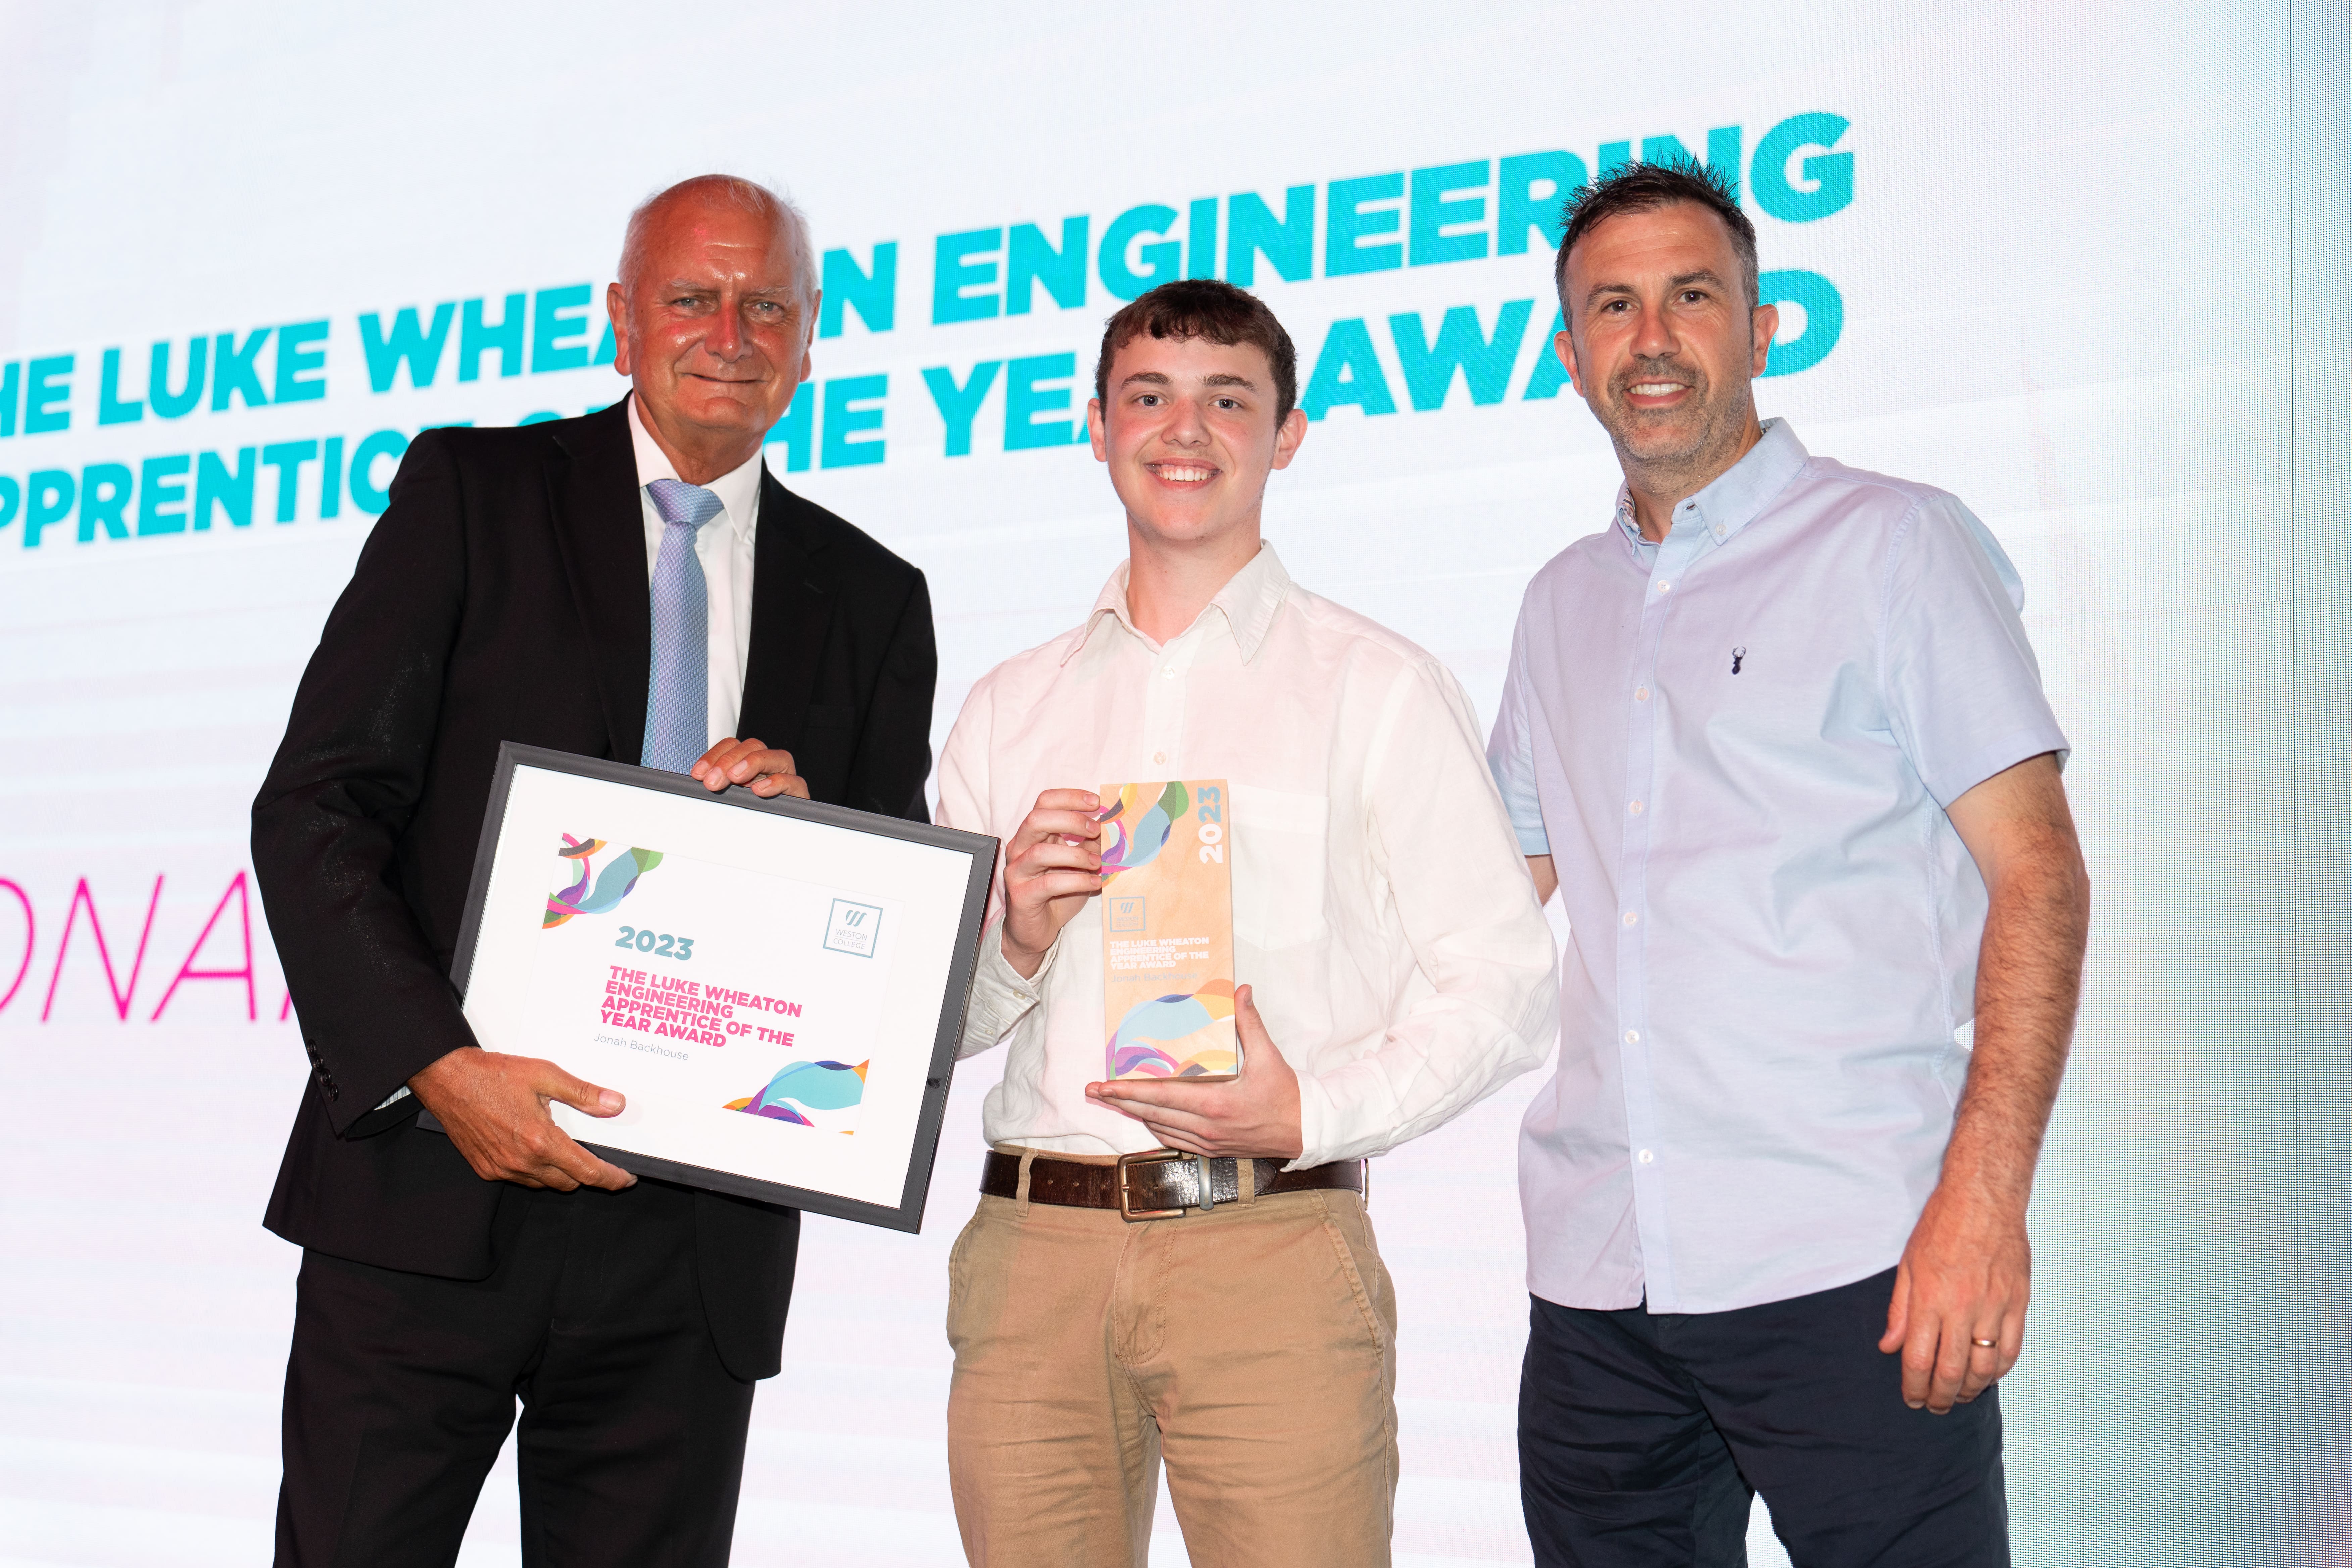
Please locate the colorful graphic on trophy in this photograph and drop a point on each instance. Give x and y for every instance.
(1137, 822)
(1177, 1037)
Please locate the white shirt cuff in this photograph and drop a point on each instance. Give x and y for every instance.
(1001, 997)
(1317, 1115)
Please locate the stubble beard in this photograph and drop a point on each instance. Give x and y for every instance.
(1680, 451)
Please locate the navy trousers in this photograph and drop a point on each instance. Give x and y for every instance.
(1643, 1438)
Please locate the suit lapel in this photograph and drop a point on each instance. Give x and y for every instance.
(600, 529)
(792, 599)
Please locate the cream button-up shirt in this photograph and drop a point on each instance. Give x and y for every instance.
(1381, 908)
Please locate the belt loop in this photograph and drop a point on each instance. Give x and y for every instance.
(1245, 1168)
(1021, 1185)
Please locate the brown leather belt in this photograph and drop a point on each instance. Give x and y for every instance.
(1157, 1183)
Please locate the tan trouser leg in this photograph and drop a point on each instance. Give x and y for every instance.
(1256, 1343)
(1051, 1456)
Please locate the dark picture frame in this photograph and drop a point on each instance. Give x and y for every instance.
(907, 1213)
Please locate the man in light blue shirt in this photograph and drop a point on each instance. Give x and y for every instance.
(1777, 735)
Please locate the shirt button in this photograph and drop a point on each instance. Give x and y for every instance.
(1635, 809)
(1632, 1037)
(1159, 756)
(1631, 918)
(1168, 670)
(1663, 586)
(1641, 694)
(1645, 1156)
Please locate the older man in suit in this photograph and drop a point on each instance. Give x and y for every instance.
(633, 584)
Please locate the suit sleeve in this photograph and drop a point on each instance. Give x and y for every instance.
(374, 1004)
(894, 751)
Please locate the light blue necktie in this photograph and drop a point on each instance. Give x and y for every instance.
(677, 697)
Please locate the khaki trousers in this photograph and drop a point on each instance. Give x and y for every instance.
(1254, 1345)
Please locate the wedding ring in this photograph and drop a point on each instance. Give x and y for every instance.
(1986, 1344)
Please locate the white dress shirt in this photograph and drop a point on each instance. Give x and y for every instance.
(724, 546)
(1381, 908)
(1737, 744)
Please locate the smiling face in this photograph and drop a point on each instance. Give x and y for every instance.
(1662, 344)
(713, 328)
(1187, 427)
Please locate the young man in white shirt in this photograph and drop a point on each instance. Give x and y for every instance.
(1393, 966)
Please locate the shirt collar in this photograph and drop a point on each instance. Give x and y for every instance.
(738, 489)
(1248, 601)
(1739, 495)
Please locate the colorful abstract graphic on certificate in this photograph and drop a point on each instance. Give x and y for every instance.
(809, 1094)
(1135, 825)
(1177, 1037)
(610, 886)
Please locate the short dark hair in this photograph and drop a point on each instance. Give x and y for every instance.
(1203, 307)
(1644, 187)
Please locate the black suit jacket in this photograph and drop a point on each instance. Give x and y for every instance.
(503, 597)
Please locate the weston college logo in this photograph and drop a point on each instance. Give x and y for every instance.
(853, 928)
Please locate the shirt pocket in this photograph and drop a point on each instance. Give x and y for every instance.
(1279, 854)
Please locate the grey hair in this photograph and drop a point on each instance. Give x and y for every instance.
(749, 195)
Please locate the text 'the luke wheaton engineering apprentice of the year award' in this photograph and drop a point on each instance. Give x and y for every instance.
(777, 987)
(1168, 932)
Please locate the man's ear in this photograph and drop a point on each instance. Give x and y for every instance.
(1286, 439)
(616, 307)
(1764, 320)
(1563, 349)
(808, 335)
(1094, 430)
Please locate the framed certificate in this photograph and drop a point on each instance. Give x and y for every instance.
(777, 987)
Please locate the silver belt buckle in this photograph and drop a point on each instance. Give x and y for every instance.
(1126, 1209)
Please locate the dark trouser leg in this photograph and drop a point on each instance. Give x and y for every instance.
(1619, 1463)
(631, 1447)
(399, 1389)
(1814, 1413)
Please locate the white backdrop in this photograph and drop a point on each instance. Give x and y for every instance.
(2081, 264)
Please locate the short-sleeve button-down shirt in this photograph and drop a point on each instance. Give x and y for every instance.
(1737, 744)
(1381, 913)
